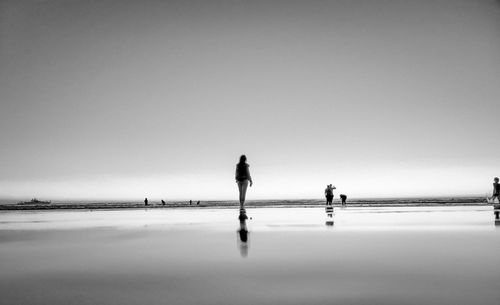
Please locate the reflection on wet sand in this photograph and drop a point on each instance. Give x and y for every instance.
(243, 233)
(329, 215)
(427, 255)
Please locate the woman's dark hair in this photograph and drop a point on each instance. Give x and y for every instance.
(243, 159)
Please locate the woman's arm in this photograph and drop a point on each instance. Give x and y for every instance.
(248, 176)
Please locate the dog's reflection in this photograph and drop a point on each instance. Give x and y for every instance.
(243, 233)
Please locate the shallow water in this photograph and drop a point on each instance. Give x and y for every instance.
(412, 255)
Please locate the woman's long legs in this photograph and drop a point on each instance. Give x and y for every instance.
(242, 187)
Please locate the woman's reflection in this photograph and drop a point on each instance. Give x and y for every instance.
(243, 233)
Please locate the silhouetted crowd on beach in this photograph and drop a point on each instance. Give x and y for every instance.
(163, 203)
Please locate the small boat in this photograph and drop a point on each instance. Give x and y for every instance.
(34, 201)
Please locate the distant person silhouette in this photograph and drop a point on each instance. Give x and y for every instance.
(329, 194)
(343, 198)
(496, 195)
(162, 202)
(146, 201)
(190, 202)
(496, 189)
(243, 179)
(198, 203)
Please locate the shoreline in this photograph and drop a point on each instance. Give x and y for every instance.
(421, 202)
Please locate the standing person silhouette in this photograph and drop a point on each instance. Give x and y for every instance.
(496, 190)
(329, 194)
(146, 201)
(496, 194)
(243, 178)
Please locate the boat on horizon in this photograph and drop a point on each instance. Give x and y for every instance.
(34, 201)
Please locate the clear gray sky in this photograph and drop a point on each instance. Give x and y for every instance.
(126, 99)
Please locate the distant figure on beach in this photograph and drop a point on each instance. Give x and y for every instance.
(146, 201)
(329, 194)
(243, 179)
(198, 203)
(496, 190)
(190, 202)
(162, 202)
(496, 195)
(343, 197)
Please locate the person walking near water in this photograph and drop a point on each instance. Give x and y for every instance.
(146, 201)
(243, 179)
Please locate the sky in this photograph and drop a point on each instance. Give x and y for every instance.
(126, 99)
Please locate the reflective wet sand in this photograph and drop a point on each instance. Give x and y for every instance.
(427, 255)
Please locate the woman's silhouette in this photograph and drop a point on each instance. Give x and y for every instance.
(243, 178)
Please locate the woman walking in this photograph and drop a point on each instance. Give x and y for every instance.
(243, 178)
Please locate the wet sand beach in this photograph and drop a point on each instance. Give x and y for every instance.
(400, 255)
